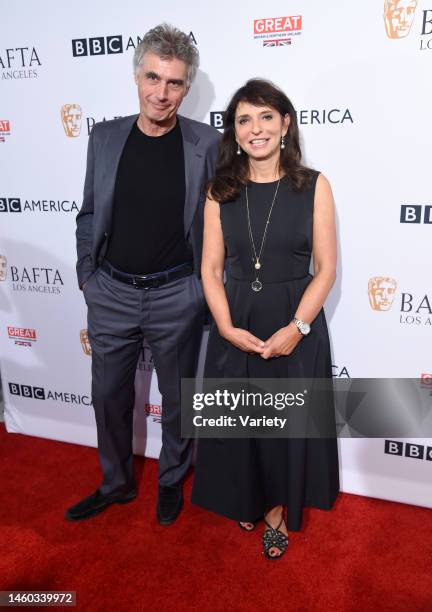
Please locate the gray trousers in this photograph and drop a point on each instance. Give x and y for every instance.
(171, 319)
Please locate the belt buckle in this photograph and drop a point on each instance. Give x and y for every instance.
(145, 282)
(136, 284)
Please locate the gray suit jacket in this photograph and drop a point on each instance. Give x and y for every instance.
(106, 143)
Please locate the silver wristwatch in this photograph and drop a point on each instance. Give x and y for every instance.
(304, 328)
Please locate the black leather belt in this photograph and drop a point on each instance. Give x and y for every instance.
(148, 281)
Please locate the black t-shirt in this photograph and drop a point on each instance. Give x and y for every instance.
(147, 232)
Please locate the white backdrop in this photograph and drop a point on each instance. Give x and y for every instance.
(363, 96)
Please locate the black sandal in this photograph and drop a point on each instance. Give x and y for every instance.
(242, 526)
(273, 538)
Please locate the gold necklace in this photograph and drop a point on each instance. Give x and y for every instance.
(256, 259)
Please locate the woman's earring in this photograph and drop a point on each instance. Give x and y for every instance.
(283, 142)
(239, 151)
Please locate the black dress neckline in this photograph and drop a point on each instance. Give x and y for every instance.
(250, 182)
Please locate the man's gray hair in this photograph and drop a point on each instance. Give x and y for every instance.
(168, 42)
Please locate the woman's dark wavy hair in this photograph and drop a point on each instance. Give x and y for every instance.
(232, 170)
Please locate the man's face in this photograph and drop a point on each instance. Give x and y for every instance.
(71, 115)
(161, 88)
(398, 17)
(381, 293)
(3, 268)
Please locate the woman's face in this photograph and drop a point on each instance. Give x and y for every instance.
(259, 129)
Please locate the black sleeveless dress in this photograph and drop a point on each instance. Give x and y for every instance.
(243, 478)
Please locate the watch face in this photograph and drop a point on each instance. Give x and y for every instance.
(304, 328)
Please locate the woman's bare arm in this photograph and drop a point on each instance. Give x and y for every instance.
(284, 340)
(212, 271)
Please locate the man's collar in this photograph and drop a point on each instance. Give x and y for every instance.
(188, 132)
(186, 126)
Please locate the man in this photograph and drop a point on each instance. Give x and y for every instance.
(139, 242)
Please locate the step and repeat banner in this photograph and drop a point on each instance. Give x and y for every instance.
(359, 77)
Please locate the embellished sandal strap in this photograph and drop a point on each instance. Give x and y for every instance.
(274, 528)
(274, 538)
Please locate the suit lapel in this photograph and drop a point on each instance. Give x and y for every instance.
(193, 158)
(114, 149)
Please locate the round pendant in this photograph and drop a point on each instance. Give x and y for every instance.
(257, 265)
(256, 285)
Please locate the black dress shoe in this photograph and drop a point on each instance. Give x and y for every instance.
(170, 503)
(95, 504)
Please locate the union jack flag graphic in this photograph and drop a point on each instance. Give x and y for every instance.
(278, 42)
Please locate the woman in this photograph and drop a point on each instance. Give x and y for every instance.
(265, 216)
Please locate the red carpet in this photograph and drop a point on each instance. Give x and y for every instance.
(364, 555)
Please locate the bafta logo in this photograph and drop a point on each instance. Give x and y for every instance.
(85, 342)
(381, 290)
(3, 268)
(398, 17)
(71, 118)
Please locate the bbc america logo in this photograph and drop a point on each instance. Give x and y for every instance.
(27, 391)
(39, 393)
(14, 205)
(416, 213)
(217, 119)
(107, 45)
(408, 449)
(99, 45)
(304, 116)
